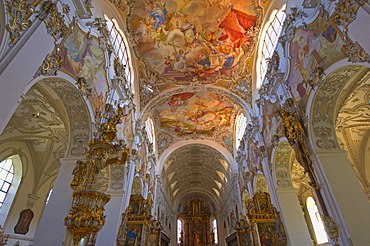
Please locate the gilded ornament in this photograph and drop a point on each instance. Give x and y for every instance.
(331, 228)
(84, 86)
(51, 64)
(119, 4)
(316, 76)
(354, 51)
(19, 12)
(295, 132)
(53, 20)
(345, 12)
(86, 216)
(3, 237)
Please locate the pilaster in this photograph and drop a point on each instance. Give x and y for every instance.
(51, 229)
(295, 224)
(347, 196)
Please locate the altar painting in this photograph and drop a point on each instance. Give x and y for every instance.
(186, 39)
(133, 236)
(317, 45)
(83, 58)
(268, 234)
(196, 112)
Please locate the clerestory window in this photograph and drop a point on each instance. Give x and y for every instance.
(120, 48)
(270, 39)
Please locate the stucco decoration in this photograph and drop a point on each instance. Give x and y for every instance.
(117, 177)
(180, 43)
(101, 181)
(260, 183)
(78, 115)
(38, 130)
(137, 186)
(282, 163)
(353, 129)
(326, 98)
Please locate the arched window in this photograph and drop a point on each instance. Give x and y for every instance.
(179, 230)
(6, 178)
(10, 178)
(149, 127)
(120, 48)
(270, 38)
(214, 229)
(317, 224)
(241, 123)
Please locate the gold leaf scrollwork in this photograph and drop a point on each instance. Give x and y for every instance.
(296, 134)
(19, 12)
(84, 86)
(87, 213)
(354, 51)
(3, 237)
(54, 20)
(331, 228)
(51, 64)
(86, 216)
(345, 12)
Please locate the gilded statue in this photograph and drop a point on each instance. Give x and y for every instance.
(295, 133)
(78, 175)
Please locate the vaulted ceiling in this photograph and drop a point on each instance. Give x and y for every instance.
(38, 132)
(194, 61)
(196, 169)
(353, 131)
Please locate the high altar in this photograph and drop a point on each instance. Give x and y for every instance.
(197, 230)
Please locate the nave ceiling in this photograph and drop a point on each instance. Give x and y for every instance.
(196, 169)
(194, 63)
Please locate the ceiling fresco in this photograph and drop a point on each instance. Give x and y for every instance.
(179, 42)
(202, 114)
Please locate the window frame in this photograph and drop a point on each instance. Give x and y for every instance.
(13, 189)
(270, 37)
